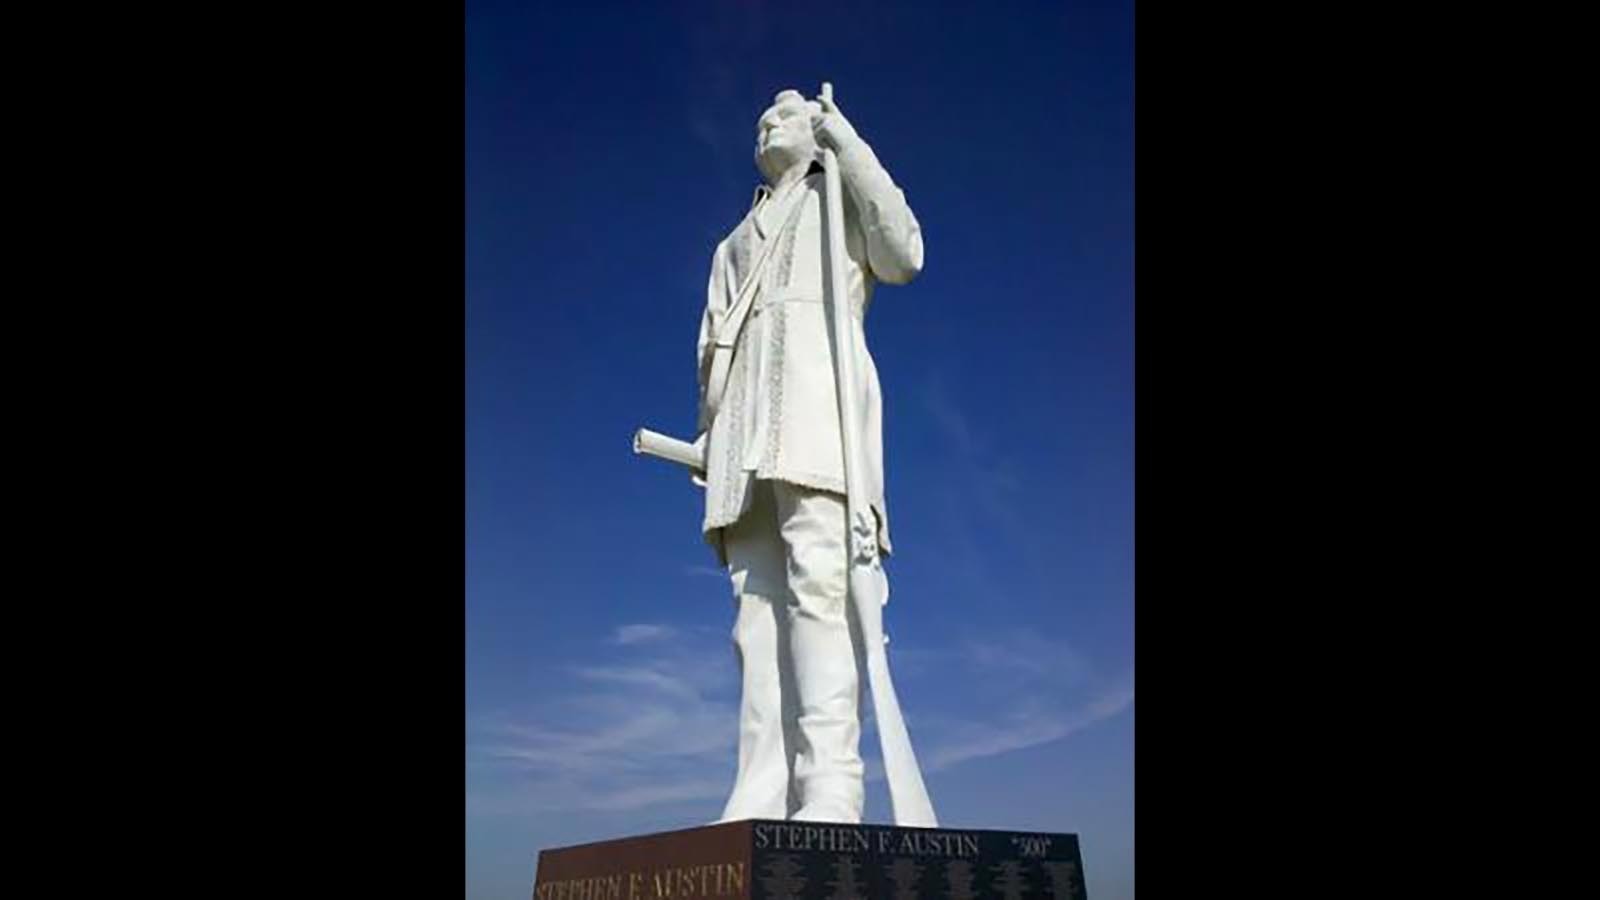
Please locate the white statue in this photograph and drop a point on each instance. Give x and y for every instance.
(793, 477)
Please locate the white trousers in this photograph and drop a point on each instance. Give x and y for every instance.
(799, 729)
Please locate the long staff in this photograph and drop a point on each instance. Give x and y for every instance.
(869, 589)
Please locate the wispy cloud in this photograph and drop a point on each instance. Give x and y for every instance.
(650, 721)
(705, 572)
(990, 481)
(1021, 689)
(1027, 727)
(641, 634)
(975, 495)
(653, 723)
(951, 421)
(655, 794)
(1030, 654)
(650, 680)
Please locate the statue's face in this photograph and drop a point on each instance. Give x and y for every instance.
(783, 135)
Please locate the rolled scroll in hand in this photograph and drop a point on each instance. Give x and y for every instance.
(650, 443)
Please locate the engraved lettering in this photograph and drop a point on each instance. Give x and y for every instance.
(1031, 845)
(1063, 878)
(664, 883)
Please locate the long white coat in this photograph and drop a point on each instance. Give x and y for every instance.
(780, 416)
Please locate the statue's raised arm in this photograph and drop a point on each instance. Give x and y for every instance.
(893, 237)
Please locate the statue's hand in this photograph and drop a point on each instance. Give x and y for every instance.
(698, 476)
(864, 539)
(831, 129)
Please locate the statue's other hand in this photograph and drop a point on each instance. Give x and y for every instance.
(698, 476)
(831, 129)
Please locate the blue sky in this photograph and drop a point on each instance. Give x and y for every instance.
(608, 149)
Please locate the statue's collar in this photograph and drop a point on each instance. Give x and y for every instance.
(765, 190)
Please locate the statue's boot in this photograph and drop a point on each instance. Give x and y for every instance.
(828, 772)
(766, 728)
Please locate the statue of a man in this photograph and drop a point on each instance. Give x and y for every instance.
(775, 489)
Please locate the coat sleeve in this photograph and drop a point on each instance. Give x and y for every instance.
(893, 237)
(710, 321)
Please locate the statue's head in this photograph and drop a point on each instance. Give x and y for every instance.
(783, 134)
